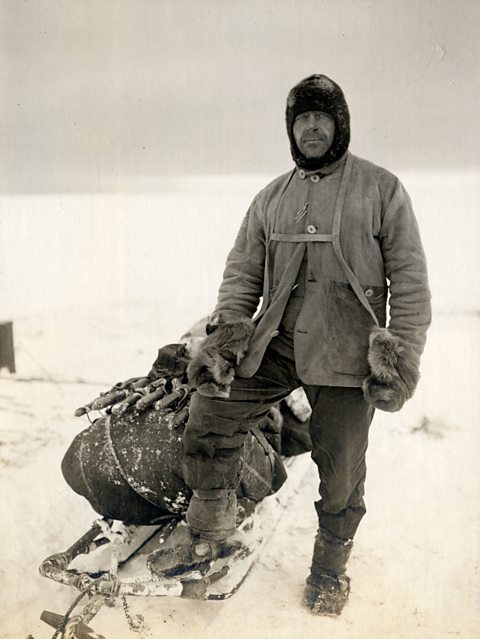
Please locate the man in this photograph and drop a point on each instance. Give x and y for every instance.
(318, 245)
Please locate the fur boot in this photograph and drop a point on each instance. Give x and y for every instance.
(328, 587)
(211, 524)
(212, 513)
(212, 367)
(188, 553)
(394, 374)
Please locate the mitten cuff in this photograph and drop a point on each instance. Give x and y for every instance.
(224, 317)
(212, 368)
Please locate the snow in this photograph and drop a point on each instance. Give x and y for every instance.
(89, 284)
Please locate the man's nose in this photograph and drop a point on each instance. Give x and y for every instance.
(312, 122)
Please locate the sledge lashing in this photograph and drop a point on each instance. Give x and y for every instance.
(127, 464)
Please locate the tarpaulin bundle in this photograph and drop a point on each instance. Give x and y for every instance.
(129, 466)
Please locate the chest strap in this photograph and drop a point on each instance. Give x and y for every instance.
(303, 237)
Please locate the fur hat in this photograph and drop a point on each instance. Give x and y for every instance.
(319, 93)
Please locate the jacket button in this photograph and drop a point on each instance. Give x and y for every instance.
(311, 229)
(274, 333)
(315, 178)
(368, 292)
(301, 174)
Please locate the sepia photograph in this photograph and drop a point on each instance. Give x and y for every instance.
(239, 319)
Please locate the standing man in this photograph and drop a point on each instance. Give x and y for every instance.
(322, 246)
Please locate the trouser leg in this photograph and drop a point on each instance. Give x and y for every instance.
(339, 430)
(214, 438)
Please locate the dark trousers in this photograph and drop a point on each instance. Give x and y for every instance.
(215, 433)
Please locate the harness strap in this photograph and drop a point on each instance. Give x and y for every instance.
(302, 237)
(337, 219)
(267, 449)
(266, 268)
(262, 440)
(334, 238)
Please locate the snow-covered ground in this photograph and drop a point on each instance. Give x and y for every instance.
(95, 284)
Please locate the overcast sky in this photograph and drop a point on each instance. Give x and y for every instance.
(106, 94)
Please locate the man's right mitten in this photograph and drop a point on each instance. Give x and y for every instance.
(212, 366)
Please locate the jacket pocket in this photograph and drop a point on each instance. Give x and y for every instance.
(349, 325)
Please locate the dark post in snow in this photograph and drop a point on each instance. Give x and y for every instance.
(7, 355)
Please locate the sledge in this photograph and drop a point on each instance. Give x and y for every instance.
(110, 561)
(126, 463)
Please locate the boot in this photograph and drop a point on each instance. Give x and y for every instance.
(328, 587)
(212, 513)
(210, 518)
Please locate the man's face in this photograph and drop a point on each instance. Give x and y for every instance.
(313, 132)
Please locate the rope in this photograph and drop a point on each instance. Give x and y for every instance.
(60, 631)
(129, 480)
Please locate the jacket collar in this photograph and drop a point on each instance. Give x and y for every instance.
(326, 170)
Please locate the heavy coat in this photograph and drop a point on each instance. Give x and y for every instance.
(378, 235)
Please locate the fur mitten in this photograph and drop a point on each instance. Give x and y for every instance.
(212, 367)
(172, 361)
(394, 374)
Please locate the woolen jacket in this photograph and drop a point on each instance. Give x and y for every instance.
(353, 223)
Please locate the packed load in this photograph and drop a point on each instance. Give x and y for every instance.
(128, 464)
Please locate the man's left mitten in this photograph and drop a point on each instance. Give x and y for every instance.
(394, 374)
(212, 366)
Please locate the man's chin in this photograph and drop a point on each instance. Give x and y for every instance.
(314, 155)
(313, 151)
